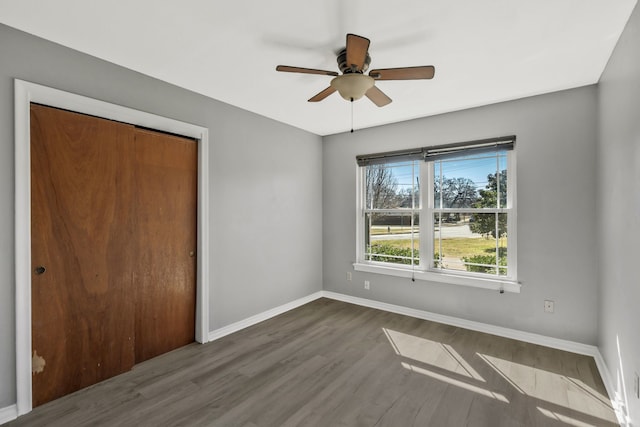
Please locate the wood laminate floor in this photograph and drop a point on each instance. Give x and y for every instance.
(330, 363)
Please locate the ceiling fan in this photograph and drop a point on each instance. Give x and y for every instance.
(353, 84)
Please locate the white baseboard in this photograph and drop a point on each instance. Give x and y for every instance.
(500, 331)
(559, 344)
(260, 317)
(616, 401)
(9, 413)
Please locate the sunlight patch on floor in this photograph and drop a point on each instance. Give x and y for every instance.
(431, 352)
(455, 382)
(563, 418)
(551, 387)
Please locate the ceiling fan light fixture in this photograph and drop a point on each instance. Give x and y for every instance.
(352, 86)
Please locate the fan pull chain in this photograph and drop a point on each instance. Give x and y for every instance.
(351, 115)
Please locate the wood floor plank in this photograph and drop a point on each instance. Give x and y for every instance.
(330, 363)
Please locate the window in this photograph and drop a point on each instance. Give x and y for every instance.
(440, 213)
(392, 212)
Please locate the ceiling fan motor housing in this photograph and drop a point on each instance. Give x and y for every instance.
(345, 68)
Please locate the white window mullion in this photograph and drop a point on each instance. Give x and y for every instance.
(498, 182)
(398, 211)
(497, 222)
(497, 234)
(360, 215)
(426, 215)
(512, 234)
(414, 186)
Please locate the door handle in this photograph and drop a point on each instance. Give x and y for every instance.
(40, 270)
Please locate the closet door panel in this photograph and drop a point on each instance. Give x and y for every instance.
(81, 226)
(165, 229)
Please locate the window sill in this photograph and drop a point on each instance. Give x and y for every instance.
(454, 279)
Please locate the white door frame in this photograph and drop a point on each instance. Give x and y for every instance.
(25, 94)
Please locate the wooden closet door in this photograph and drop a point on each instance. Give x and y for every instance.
(165, 230)
(81, 225)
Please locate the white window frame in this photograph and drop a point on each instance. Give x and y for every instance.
(424, 270)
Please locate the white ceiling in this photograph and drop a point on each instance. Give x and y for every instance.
(484, 51)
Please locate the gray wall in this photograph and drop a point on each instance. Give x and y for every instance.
(557, 253)
(265, 191)
(619, 213)
(267, 178)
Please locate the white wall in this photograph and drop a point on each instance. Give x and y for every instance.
(557, 253)
(619, 214)
(265, 189)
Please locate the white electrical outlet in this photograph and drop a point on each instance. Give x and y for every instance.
(636, 385)
(549, 306)
(349, 276)
(366, 284)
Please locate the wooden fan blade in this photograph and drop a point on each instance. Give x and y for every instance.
(378, 97)
(357, 48)
(289, 69)
(405, 73)
(322, 95)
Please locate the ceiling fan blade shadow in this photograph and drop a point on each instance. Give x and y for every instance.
(357, 48)
(378, 97)
(404, 73)
(322, 95)
(289, 69)
(403, 41)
